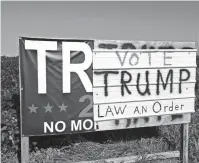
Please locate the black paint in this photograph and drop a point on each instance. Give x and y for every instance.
(132, 46)
(144, 46)
(135, 120)
(149, 54)
(120, 59)
(165, 57)
(147, 85)
(117, 122)
(188, 76)
(186, 47)
(159, 118)
(123, 82)
(128, 123)
(106, 73)
(146, 119)
(132, 56)
(97, 126)
(151, 47)
(159, 107)
(128, 46)
(99, 111)
(109, 110)
(166, 47)
(159, 76)
(108, 46)
(173, 117)
(136, 110)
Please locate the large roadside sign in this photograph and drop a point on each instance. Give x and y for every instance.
(70, 86)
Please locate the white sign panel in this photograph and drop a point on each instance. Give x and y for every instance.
(135, 59)
(130, 84)
(143, 109)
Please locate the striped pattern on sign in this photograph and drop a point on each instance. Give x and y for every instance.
(115, 80)
(151, 121)
(115, 93)
(130, 59)
(143, 109)
(128, 80)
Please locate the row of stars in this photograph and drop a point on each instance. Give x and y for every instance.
(48, 108)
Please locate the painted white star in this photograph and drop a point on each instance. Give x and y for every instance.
(48, 108)
(33, 109)
(63, 107)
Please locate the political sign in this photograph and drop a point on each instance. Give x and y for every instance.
(71, 85)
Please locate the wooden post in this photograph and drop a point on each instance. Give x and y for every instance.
(184, 142)
(24, 149)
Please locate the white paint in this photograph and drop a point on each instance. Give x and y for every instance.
(114, 93)
(41, 47)
(63, 125)
(142, 109)
(114, 80)
(50, 128)
(111, 60)
(76, 126)
(54, 125)
(89, 122)
(86, 124)
(67, 47)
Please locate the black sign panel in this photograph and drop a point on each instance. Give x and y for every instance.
(49, 103)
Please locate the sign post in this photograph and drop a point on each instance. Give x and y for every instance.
(74, 86)
(24, 149)
(184, 143)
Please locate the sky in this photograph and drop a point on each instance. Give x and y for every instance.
(144, 21)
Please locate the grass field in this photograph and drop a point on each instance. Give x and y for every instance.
(83, 148)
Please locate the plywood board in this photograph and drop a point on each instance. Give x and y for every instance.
(133, 59)
(143, 122)
(115, 79)
(129, 44)
(143, 109)
(114, 94)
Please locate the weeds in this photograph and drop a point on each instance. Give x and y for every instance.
(119, 144)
